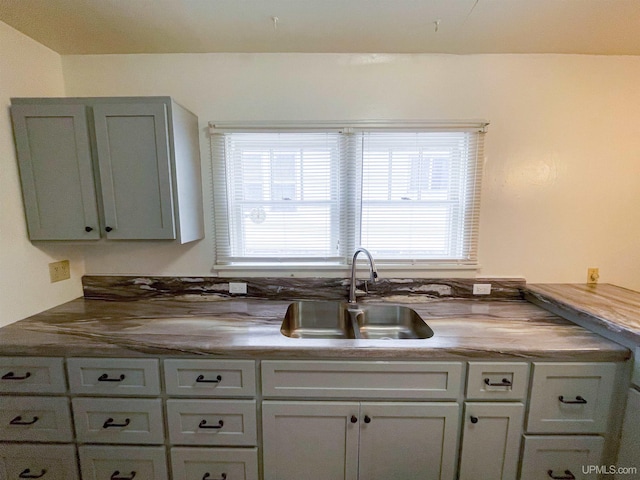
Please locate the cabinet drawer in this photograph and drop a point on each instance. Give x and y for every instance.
(110, 463)
(214, 463)
(546, 457)
(48, 462)
(497, 380)
(32, 375)
(110, 420)
(433, 380)
(571, 397)
(114, 376)
(212, 422)
(211, 378)
(38, 419)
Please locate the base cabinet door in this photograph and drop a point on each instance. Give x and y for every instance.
(491, 440)
(407, 441)
(366, 441)
(310, 440)
(561, 457)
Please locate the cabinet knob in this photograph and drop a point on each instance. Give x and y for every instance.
(473, 419)
(88, 229)
(354, 419)
(367, 419)
(567, 475)
(108, 229)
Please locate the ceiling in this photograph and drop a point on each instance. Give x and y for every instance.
(602, 27)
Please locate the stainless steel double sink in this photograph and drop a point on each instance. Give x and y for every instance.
(342, 320)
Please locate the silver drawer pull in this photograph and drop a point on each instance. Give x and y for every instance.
(203, 424)
(13, 376)
(201, 379)
(109, 423)
(18, 421)
(505, 383)
(116, 476)
(27, 474)
(578, 400)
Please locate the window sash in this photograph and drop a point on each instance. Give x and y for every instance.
(427, 181)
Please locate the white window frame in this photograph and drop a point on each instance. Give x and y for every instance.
(349, 176)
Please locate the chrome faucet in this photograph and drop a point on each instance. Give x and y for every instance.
(373, 272)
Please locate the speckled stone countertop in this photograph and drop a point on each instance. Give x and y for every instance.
(250, 328)
(607, 309)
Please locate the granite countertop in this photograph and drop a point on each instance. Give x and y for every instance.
(609, 310)
(250, 328)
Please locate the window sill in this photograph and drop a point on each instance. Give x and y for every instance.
(337, 271)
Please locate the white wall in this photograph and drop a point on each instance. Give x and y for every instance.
(562, 185)
(26, 69)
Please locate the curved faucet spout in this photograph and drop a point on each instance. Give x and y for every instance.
(373, 272)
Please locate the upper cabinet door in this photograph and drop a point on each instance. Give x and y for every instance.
(134, 160)
(56, 171)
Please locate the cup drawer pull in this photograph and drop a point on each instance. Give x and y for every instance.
(578, 400)
(504, 383)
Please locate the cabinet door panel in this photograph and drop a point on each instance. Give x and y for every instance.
(408, 440)
(133, 154)
(491, 440)
(310, 440)
(56, 171)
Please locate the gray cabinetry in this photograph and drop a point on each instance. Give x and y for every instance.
(118, 168)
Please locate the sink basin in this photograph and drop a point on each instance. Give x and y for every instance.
(326, 319)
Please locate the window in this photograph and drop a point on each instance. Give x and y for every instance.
(295, 197)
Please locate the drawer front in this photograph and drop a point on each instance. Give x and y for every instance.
(210, 378)
(122, 463)
(110, 420)
(48, 462)
(114, 376)
(497, 381)
(547, 457)
(212, 422)
(39, 419)
(32, 375)
(214, 463)
(571, 397)
(407, 380)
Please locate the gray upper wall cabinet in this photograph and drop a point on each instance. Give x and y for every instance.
(118, 168)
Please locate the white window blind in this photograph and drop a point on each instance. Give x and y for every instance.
(296, 196)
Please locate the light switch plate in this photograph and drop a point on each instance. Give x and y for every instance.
(238, 287)
(59, 271)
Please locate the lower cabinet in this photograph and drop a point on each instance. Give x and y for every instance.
(122, 463)
(359, 440)
(561, 457)
(214, 463)
(491, 436)
(49, 462)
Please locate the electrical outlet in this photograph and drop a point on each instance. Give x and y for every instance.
(59, 271)
(593, 275)
(238, 287)
(482, 289)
